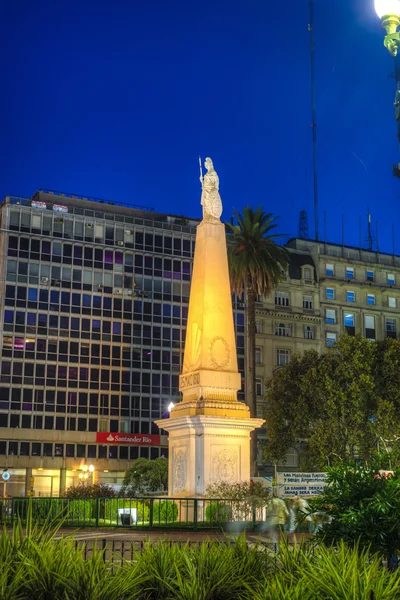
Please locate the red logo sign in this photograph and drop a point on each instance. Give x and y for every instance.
(135, 439)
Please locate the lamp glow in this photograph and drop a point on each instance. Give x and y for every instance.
(387, 7)
(170, 406)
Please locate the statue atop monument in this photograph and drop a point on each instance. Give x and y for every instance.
(210, 198)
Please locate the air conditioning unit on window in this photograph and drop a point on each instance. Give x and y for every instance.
(118, 291)
(57, 282)
(120, 243)
(130, 292)
(44, 280)
(128, 232)
(99, 288)
(89, 225)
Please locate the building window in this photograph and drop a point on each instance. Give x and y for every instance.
(283, 330)
(281, 298)
(258, 326)
(258, 356)
(330, 316)
(282, 357)
(349, 323)
(307, 274)
(308, 332)
(330, 294)
(291, 459)
(308, 302)
(370, 275)
(391, 328)
(330, 339)
(391, 302)
(371, 299)
(351, 296)
(329, 269)
(259, 387)
(369, 323)
(391, 279)
(349, 272)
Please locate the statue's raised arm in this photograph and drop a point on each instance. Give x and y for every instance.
(210, 198)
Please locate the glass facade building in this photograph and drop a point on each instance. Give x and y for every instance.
(94, 299)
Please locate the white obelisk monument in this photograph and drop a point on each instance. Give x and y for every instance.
(209, 431)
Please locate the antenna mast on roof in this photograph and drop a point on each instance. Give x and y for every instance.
(303, 225)
(313, 117)
(369, 238)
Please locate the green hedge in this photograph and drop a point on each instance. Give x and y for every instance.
(218, 512)
(165, 511)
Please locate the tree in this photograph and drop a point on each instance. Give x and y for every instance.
(363, 506)
(90, 490)
(345, 404)
(146, 476)
(256, 265)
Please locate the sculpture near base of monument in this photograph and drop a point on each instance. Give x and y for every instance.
(210, 198)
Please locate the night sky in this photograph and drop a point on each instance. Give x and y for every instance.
(116, 99)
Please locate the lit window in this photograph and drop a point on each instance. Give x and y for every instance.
(369, 323)
(282, 357)
(329, 269)
(370, 275)
(390, 279)
(330, 339)
(371, 299)
(307, 302)
(391, 302)
(330, 316)
(259, 387)
(348, 320)
(330, 294)
(351, 296)
(308, 332)
(349, 273)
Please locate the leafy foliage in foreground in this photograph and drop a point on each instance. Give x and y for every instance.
(38, 564)
(364, 506)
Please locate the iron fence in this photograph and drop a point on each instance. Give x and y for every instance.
(137, 513)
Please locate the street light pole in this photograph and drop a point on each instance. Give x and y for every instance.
(389, 13)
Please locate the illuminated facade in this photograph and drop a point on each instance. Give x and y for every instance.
(94, 300)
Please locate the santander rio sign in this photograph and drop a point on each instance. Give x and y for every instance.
(136, 439)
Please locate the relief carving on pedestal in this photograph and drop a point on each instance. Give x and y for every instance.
(179, 466)
(219, 353)
(224, 464)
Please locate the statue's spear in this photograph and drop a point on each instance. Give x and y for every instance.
(201, 170)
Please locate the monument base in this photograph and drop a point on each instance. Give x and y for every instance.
(204, 450)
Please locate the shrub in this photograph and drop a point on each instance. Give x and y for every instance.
(218, 512)
(88, 490)
(113, 504)
(165, 511)
(79, 510)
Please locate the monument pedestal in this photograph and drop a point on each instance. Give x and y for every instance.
(205, 450)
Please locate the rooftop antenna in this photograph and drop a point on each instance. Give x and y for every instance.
(369, 238)
(303, 225)
(313, 117)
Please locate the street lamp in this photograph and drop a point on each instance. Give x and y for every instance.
(389, 13)
(85, 472)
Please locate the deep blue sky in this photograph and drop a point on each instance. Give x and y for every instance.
(116, 99)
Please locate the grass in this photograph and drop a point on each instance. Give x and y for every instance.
(36, 566)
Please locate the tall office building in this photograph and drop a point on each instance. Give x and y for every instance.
(94, 299)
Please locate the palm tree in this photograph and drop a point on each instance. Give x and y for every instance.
(256, 265)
